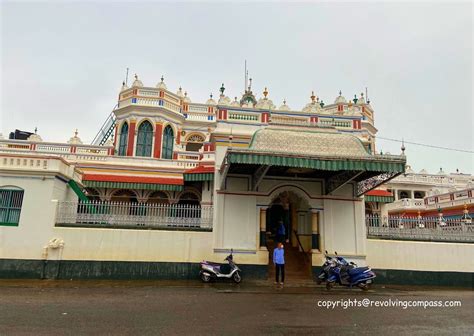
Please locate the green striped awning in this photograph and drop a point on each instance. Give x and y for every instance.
(128, 185)
(198, 177)
(380, 199)
(320, 163)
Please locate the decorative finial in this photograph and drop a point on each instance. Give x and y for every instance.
(162, 78)
(36, 129)
(403, 147)
(250, 84)
(362, 94)
(313, 97)
(265, 93)
(317, 99)
(136, 76)
(340, 93)
(185, 93)
(210, 95)
(76, 133)
(284, 101)
(355, 99)
(322, 103)
(235, 98)
(222, 89)
(180, 88)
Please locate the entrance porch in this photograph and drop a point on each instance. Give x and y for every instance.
(313, 181)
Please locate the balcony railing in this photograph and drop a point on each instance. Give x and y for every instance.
(124, 215)
(437, 229)
(405, 204)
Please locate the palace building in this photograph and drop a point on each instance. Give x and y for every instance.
(169, 182)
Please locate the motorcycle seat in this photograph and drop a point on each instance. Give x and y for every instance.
(213, 263)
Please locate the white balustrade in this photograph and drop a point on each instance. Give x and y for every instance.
(420, 228)
(124, 215)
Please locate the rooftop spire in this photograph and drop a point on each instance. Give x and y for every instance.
(313, 97)
(265, 93)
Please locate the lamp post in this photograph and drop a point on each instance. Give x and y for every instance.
(441, 220)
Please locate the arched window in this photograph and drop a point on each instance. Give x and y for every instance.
(144, 139)
(168, 140)
(123, 140)
(404, 194)
(419, 194)
(189, 206)
(194, 143)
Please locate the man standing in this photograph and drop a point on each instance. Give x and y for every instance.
(281, 232)
(279, 262)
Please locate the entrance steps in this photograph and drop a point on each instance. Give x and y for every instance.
(297, 265)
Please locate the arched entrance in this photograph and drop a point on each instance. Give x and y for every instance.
(294, 212)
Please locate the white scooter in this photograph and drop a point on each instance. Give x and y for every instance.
(213, 271)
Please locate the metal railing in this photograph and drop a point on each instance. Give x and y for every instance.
(420, 228)
(124, 215)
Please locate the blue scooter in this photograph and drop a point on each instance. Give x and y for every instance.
(329, 264)
(349, 275)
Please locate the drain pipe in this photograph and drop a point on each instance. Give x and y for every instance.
(54, 244)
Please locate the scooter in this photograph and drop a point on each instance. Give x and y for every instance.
(351, 275)
(329, 264)
(213, 271)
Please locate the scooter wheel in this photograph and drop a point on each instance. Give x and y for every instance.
(329, 285)
(205, 277)
(236, 277)
(363, 286)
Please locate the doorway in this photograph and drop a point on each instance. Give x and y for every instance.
(294, 213)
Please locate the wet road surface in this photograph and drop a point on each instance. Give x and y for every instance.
(192, 308)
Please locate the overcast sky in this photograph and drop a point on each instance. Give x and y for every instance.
(63, 63)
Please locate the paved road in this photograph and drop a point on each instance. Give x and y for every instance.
(168, 308)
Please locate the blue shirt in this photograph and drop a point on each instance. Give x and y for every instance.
(279, 256)
(281, 230)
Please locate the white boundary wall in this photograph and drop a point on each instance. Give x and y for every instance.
(420, 256)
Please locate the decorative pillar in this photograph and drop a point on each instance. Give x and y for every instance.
(115, 135)
(263, 227)
(315, 246)
(158, 136)
(131, 137)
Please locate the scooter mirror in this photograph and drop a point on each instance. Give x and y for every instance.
(326, 251)
(335, 252)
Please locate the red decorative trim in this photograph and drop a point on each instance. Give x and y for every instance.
(158, 135)
(200, 169)
(73, 149)
(131, 138)
(131, 179)
(178, 137)
(222, 114)
(313, 119)
(378, 192)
